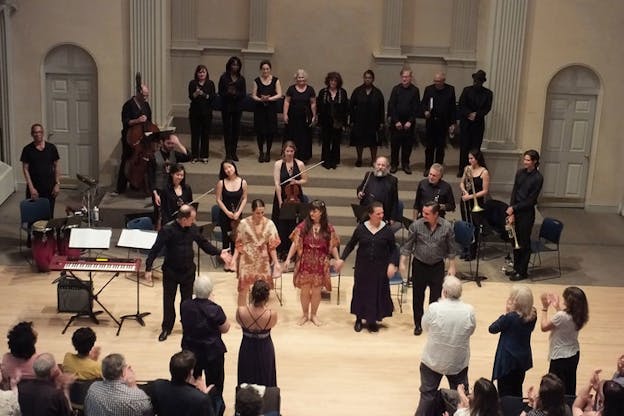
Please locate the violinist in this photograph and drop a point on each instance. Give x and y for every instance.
(381, 186)
(135, 111)
(171, 152)
(173, 194)
(231, 195)
(287, 168)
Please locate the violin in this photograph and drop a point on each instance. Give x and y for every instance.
(293, 193)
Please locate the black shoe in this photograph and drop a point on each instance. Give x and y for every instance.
(358, 163)
(235, 158)
(358, 326)
(407, 170)
(510, 272)
(517, 277)
(326, 166)
(373, 327)
(417, 330)
(261, 157)
(393, 169)
(163, 335)
(267, 157)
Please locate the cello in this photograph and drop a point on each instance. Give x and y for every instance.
(142, 146)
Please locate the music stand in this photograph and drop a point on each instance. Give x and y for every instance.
(138, 240)
(476, 278)
(360, 212)
(90, 238)
(294, 211)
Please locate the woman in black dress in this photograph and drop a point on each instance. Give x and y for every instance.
(367, 117)
(376, 262)
(201, 92)
(232, 90)
(285, 168)
(256, 356)
(231, 196)
(333, 113)
(175, 194)
(266, 91)
(300, 114)
(477, 174)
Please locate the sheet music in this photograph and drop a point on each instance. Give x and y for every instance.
(141, 239)
(90, 237)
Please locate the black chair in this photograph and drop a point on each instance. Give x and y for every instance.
(512, 406)
(77, 393)
(493, 226)
(549, 236)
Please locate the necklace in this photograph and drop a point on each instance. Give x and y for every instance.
(316, 228)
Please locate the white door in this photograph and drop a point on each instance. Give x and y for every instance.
(72, 121)
(568, 131)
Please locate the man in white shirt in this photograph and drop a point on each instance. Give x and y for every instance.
(450, 323)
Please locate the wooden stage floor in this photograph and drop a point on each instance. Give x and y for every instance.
(328, 370)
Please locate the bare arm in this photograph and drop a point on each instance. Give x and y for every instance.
(486, 184)
(276, 180)
(254, 93)
(243, 201)
(33, 192)
(313, 108)
(224, 327)
(285, 110)
(278, 92)
(303, 179)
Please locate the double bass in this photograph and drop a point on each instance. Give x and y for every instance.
(142, 146)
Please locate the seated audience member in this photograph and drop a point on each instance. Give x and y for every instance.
(40, 396)
(618, 376)
(84, 364)
(482, 402)
(183, 395)
(550, 400)
(9, 405)
(22, 352)
(248, 402)
(607, 401)
(118, 393)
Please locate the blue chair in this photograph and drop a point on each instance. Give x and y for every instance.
(140, 223)
(215, 211)
(549, 236)
(31, 211)
(397, 280)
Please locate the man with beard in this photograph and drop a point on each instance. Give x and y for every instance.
(381, 186)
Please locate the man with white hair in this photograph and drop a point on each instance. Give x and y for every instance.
(383, 187)
(450, 323)
(40, 396)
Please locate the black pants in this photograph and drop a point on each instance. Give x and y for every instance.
(424, 275)
(429, 384)
(330, 146)
(226, 229)
(435, 145)
(524, 226)
(263, 138)
(401, 141)
(471, 137)
(565, 369)
(511, 384)
(126, 153)
(213, 374)
(171, 279)
(200, 133)
(231, 131)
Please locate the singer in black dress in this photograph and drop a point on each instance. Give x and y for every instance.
(300, 114)
(267, 90)
(201, 92)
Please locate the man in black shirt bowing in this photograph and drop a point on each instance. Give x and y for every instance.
(521, 211)
(178, 267)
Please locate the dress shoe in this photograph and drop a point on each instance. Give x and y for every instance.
(358, 163)
(163, 336)
(517, 277)
(261, 157)
(407, 170)
(267, 157)
(373, 327)
(204, 160)
(510, 272)
(417, 330)
(358, 326)
(393, 169)
(326, 166)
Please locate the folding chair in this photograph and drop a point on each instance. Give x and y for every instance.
(549, 236)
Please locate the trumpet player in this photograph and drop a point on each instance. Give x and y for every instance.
(474, 187)
(521, 211)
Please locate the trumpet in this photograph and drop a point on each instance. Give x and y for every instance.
(469, 180)
(511, 232)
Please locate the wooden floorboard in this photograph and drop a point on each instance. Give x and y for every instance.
(328, 370)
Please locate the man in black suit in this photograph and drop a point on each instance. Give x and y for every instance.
(183, 395)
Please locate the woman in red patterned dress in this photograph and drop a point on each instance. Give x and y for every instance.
(315, 241)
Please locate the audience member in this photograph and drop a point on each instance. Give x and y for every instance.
(482, 402)
(550, 401)
(203, 322)
(183, 395)
(513, 354)
(84, 364)
(248, 402)
(39, 396)
(22, 353)
(618, 376)
(564, 327)
(608, 400)
(9, 405)
(450, 323)
(117, 394)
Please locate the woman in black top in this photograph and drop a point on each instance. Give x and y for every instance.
(231, 195)
(175, 194)
(232, 90)
(266, 91)
(367, 117)
(333, 112)
(201, 92)
(300, 114)
(477, 174)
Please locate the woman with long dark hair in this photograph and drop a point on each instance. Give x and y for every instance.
(314, 241)
(333, 112)
(475, 174)
(367, 117)
(175, 193)
(201, 92)
(608, 399)
(550, 400)
(267, 90)
(231, 196)
(232, 90)
(564, 351)
(482, 402)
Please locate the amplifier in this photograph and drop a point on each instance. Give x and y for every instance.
(74, 295)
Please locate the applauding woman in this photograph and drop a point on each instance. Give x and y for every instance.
(201, 92)
(314, 241)
(231, 195)
(266, 91)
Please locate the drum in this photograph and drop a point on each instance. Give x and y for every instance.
(43, 245)
(63, 233)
